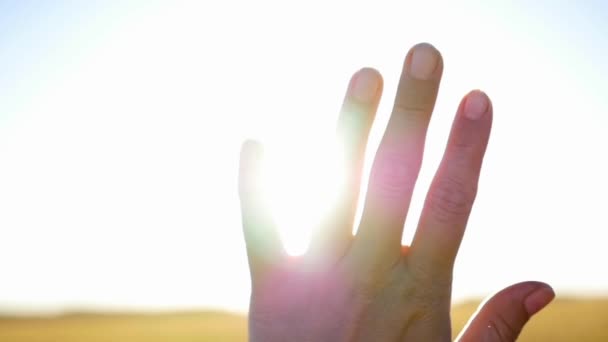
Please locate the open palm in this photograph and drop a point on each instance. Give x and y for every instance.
(369, 287)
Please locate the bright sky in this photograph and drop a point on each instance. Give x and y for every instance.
(120, 128)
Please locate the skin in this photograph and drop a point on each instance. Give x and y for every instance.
(368, 287)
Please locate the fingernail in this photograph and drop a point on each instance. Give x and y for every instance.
(365, 85)
(423, 61)
(538, 299)
(476, 105)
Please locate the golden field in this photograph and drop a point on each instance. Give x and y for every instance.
(563, 320)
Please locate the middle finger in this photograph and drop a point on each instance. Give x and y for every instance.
(399, 156)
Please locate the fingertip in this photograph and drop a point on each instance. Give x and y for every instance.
(369, 72)
(539, 299)
(251, 154)
(424, 61)
(520, 291)
(476, 105)
(366, 84)
(534, 295)
(251, 148)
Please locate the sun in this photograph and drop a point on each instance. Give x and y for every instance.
(302, 181)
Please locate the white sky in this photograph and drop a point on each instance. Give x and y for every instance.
(120, 128)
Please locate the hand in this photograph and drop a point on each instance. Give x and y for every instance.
(369, 287)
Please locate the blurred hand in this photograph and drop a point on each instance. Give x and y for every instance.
(369, 287)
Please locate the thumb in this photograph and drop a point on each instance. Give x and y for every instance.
(503, 316)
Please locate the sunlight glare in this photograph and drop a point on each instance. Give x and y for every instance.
(302, 182)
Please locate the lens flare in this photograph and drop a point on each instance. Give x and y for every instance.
(302, 183)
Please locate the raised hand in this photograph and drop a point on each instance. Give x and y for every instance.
(369, 287)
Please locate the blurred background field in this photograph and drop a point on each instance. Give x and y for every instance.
(563, 320)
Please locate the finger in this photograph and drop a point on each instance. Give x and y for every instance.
(354, 124)
(399, 155)
(264, 248)
(453, 190)
(502, 317)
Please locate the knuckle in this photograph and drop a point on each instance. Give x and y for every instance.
(502, 330)
(416, 98)
(428, 278)
(430, 290)
(451, 198)
(463, 148)
(413, 108)
(370, 285)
